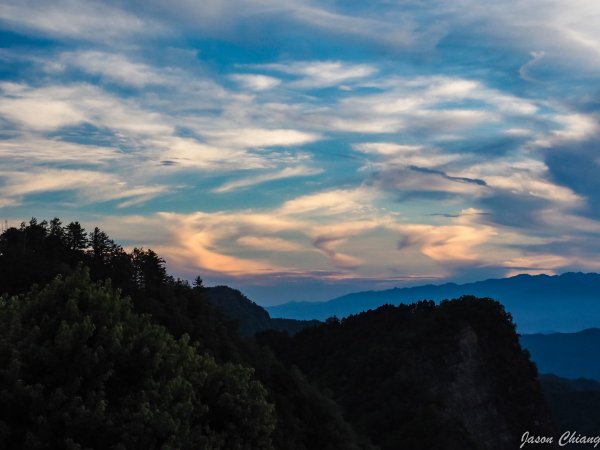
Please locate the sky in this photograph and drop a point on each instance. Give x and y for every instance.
(300, 150)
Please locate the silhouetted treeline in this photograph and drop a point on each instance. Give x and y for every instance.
(36, 252)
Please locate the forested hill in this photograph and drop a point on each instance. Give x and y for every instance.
(402, 372)
(102, 348)
(250, 317)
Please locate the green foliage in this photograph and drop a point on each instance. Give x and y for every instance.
(80, 369)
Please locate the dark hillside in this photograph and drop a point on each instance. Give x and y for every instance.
(574, 403)
(250, 317)
(451, 376)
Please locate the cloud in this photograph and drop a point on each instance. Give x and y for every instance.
(573, 127)
(222, 19)
(398, 32)
(271, 244)
(86, 20)
(110, 66)
(287, 172)
(252, 243)
(524, 176)
(53, 107)
(406, 155)
(199, 240)
(90, 186)
(565, 32)
(30, 149)
(340, 260)
(456, 243)
(330, 202)
(255, 82)
(187, 153)
(222, 237)
(404, 181)
(524, 70)
(260, 137)
(450, 106)
(320, 74)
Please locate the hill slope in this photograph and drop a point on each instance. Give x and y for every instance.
(574, 403)
(447, 377)
(249, 316)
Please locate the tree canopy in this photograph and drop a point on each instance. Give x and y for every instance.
(80, 369)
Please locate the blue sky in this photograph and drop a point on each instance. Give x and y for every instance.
(299, 150)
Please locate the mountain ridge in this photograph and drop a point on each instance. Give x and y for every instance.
(568, 355)
(568, 302)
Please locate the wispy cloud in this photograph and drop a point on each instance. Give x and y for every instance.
(260, 137)
(25, 150)
(86, 20)
(288, 172)
(320, 74)
(90, 186)
(256, 82)
(52, 107)
(110, 66)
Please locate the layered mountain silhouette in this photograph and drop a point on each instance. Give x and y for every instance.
(569, 355)
(562, 303)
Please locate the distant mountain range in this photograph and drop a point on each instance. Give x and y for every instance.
(568, 355)
(567, 303)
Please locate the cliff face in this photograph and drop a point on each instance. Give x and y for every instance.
(422, 376)
(485, 402)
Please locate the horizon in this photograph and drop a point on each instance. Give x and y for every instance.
(417, 286)
(305, 149)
